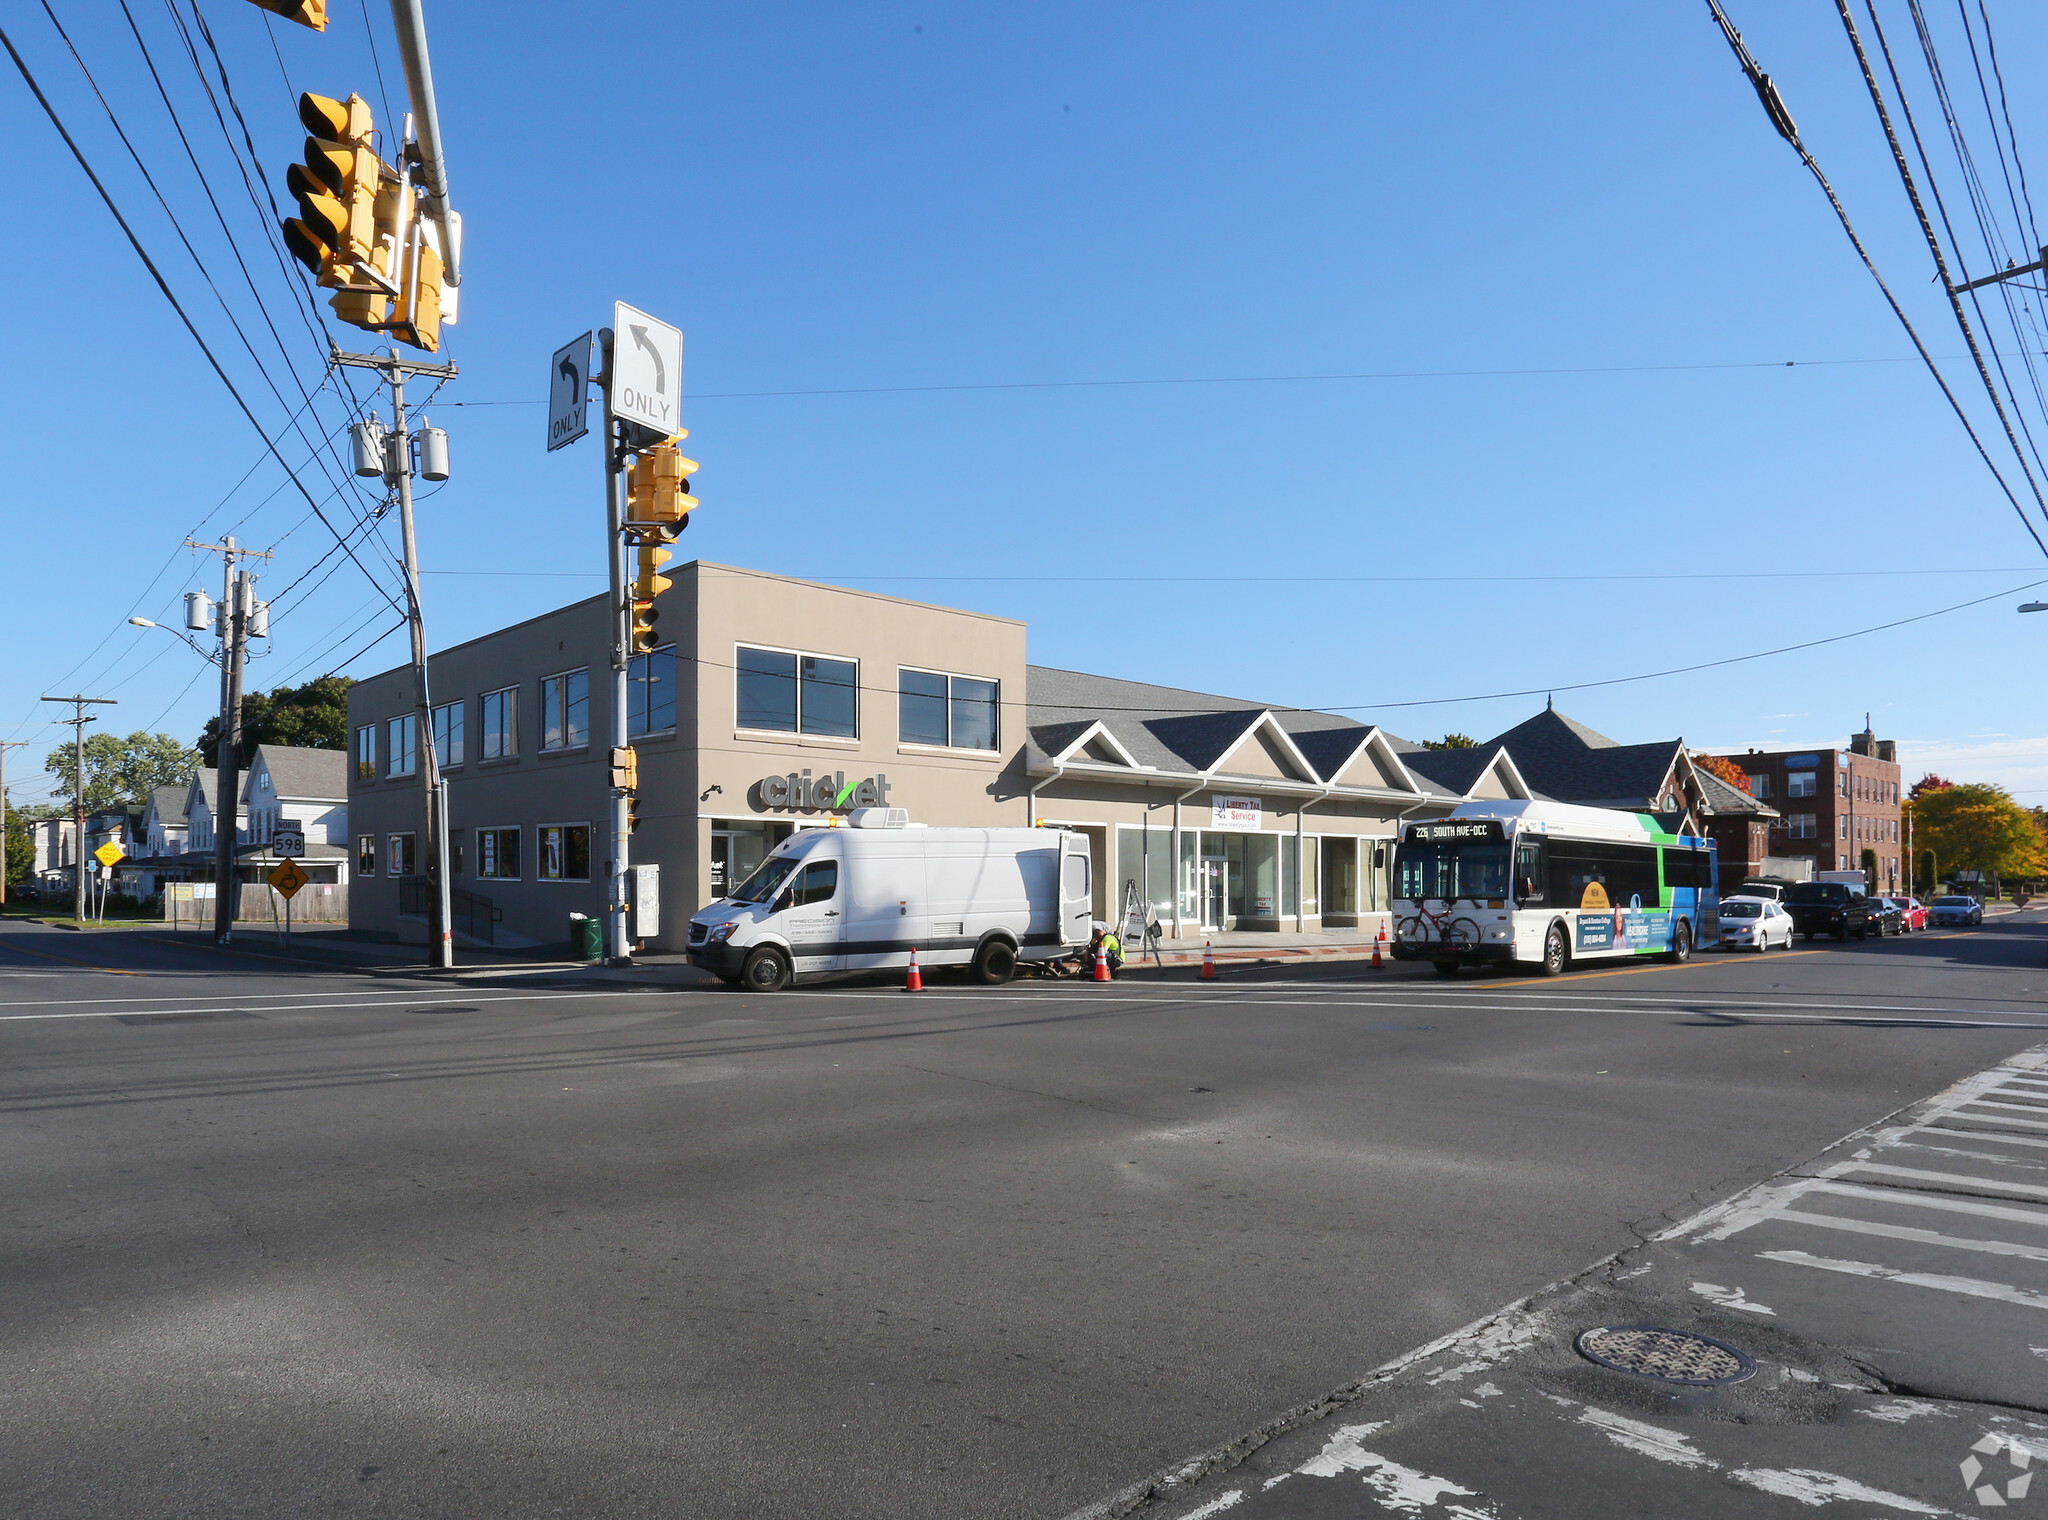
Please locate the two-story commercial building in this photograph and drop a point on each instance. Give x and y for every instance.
(781, 704)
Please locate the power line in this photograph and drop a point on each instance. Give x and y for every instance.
(1781, 119)
(163, 285)
(1310, 580)
(1927, 228)
(1413, 374)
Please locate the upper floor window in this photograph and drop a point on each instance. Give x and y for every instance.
(565, 710)
(1760, 787)
(448, 735)
(783, 692)
(1842, 783)
(366, 751)
(401, 737)
(499, 712)
(1800, 826)
(651, 692)
(1802, 784)
(959, 712)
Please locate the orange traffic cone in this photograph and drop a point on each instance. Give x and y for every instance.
(1101, 964)
(1208, 961)
(913, 982)
(1377, 963)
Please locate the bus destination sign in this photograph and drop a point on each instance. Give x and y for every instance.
(1488, 829)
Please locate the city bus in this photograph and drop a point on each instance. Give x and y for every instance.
(1547, 884)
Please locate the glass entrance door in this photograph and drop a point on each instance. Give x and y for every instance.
(1216, 892)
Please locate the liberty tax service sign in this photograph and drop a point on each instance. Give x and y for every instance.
(1235, 813)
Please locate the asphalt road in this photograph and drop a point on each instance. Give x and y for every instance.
(282, 1242)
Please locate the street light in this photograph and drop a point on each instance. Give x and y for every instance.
(2034, 606)
(204, 654)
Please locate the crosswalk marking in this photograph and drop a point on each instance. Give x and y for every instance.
(1918, 1237)
(1963, 1178)
(1969, 1286)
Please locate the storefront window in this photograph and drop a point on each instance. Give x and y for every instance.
(1144, 857)
(1310, 902)
(1190, 886)
(737, 849)
(1340, 875)
(1261, 876)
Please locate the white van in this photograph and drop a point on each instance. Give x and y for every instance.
(831, 902)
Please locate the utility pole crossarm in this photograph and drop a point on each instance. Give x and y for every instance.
(2005, 274)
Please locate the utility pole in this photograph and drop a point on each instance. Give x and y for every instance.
(5, 746)
(397, 472)
(237, 602)
(78, 721)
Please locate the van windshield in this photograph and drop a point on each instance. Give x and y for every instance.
(765, 882)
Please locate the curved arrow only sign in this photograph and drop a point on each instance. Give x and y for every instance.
(567, 393)
(647, 370)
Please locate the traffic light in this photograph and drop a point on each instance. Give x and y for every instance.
(336, 186)
(418, 318)
(632, 812)
(647, 585)
(625, 768)
(366, 302)
(311, 13)
(658, 497)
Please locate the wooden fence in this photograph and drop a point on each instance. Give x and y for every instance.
(191, 903)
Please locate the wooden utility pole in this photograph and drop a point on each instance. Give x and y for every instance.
(78, 723)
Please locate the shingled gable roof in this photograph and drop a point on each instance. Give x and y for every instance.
(311, 775)
(203, 787)
(1567, 761)
(1169, 729)
(1455, 772)
(170, 803)
(1723, 799)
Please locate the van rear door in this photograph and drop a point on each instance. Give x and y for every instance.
(1077, 891)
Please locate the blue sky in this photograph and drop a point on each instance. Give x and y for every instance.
(907, 242)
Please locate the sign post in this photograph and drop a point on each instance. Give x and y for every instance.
(287, 877)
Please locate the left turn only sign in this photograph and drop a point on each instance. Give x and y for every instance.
(568, 388)
(647, 370)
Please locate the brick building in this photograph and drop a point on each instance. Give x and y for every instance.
(1834, 804)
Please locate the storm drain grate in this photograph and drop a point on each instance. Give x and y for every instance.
(1672, 1356)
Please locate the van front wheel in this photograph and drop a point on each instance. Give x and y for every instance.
(995, 963)
(765, 970)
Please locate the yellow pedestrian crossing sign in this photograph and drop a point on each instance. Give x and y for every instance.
(288, 878)
(109, 853)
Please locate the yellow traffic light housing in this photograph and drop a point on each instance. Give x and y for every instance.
(336, 187)
(625, 768)
(658, 498)
(311, 13)
(418, 318)
(648, 584)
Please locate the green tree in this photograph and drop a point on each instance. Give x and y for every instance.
(313, 716)
(1452, 741)
(21, 849)
(121, 770)
(1979, 828)
(1869, 864)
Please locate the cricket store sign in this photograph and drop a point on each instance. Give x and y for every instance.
(801, 792)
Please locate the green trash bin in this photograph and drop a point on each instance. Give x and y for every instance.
(586, 937)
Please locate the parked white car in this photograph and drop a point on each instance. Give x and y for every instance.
(1754, 923)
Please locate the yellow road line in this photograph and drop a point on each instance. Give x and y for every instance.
(1588, 976)
(8, 944)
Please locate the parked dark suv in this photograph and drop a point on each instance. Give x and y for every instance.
(1830, 907)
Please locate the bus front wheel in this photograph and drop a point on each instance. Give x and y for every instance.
(1556, 957)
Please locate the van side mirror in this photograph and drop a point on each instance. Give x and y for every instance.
(1379, 857)
(1527, 888)
(784, 901)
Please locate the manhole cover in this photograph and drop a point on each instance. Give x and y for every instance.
(1673, 1356)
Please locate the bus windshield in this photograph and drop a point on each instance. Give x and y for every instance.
(1448, 869)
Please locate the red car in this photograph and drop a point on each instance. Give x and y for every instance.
(1912, 914)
